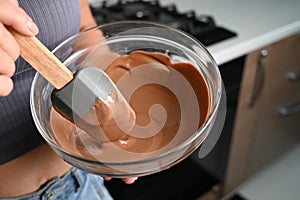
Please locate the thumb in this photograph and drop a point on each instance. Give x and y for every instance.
(15, 2)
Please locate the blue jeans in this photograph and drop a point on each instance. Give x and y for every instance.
(76, 184)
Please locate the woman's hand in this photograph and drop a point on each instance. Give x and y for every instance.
(11, 15)
(126, 180)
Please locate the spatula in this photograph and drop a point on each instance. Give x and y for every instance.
(74, 94)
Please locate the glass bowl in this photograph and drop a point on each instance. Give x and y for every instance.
(99, 47)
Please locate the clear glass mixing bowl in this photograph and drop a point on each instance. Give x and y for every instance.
(89, 48)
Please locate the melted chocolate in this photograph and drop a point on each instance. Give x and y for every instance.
(145, 79)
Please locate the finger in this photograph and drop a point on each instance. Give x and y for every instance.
(9, 44)
(6, 85)
(130, 180)
(16, 17)
(7, 66)
(107, 178)
(15, 2)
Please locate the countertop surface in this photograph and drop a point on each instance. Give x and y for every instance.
(257, 22)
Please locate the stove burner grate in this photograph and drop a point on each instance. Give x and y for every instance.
(202, 27)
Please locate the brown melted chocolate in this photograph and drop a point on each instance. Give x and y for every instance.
(165, 124)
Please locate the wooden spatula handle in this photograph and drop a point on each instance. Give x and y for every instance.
(41, 59)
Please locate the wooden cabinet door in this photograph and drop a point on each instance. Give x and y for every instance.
(261, 134)
(274, 134)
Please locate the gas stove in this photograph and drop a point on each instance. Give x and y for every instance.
(202, 27)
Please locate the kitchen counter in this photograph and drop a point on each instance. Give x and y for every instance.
(257, 22)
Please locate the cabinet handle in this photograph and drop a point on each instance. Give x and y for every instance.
(287, 111)
(260, 78)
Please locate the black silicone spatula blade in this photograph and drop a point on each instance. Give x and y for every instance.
(78, 96)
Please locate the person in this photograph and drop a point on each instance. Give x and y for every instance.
(29, 168)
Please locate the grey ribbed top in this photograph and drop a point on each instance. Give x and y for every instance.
(57, 20)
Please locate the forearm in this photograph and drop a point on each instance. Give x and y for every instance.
(87, 19)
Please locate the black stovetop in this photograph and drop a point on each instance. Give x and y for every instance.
(202, 27)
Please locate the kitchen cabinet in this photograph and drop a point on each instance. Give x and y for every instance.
(262, 133)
